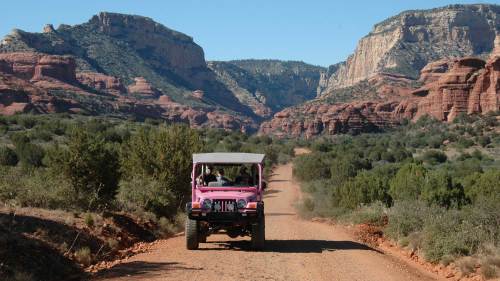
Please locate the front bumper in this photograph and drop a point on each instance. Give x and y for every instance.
(241, 215)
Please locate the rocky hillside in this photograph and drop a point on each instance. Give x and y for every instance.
(41, 83)
(268, 86)
(405, 43)
(450, 87)
(125, 64)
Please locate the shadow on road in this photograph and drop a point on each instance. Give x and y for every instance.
(279, 181)
(295, 246)
(271, 191)
(279, 214)
(141, 268)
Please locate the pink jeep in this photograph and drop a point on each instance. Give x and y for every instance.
(229, 200)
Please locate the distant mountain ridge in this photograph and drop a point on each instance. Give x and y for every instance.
(269, 85)
(135, 48)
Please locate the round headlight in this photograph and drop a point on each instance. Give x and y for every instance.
(242, 204)
(206, 204)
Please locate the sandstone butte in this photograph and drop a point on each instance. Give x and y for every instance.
(32, 82)
(450, 87)
(406, 42)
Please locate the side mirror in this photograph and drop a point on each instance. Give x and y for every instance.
(264, 185)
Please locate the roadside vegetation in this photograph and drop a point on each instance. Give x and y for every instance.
(431, 186)
(100, 173)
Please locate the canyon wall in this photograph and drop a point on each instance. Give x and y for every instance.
(405, 43)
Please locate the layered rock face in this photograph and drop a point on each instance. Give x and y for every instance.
(102, 82)
(33, 82)
(160, 46)
(467, 85)
(38, 66)
(405, 43)
(20, 76)
(143, 87)
(315, 119)
(449, 95)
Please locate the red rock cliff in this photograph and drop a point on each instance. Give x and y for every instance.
(467, 85)
(37, 66)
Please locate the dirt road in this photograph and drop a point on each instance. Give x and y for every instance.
(296, 249)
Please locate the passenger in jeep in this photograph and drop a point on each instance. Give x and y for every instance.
(209, 176)
(244, 178)
(221, 179)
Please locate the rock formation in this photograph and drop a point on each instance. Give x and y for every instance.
(467, 85)
(33, 82)
(128, 46)
(449, 95)
(101, 82)
(198, 94)
(143, 88)
(33, 66)
(48, 28)
(407, 42)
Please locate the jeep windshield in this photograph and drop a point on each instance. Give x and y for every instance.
(226, 176)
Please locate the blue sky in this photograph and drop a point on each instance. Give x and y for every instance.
(320, 32)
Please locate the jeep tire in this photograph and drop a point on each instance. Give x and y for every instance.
(192, 233)
(259, 234)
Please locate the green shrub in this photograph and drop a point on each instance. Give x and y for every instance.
(371, 214)
(449, 234)
(7, 156)
(38, 188)
(464, 142)
(92, 168)
(342, 169)
(153, 196)
(434, 157)
(162, 159)
(408, 182)
(483, 140)
(435, 141)
(29, 154)
(439, 189)
(373, 185)
(462, 232)
(310, 167)
(406, 217)
(26, 121)
(484, 186)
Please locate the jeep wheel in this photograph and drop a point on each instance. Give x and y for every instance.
(259, 234)
(191, 232)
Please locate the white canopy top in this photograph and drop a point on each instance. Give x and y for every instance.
(228, 158)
